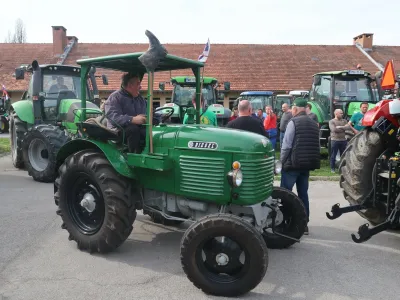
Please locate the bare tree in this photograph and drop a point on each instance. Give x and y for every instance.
(19, 35)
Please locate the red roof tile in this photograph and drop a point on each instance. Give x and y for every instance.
(247, 67)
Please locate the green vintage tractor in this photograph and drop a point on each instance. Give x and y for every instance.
(45, 117)
(218, 179)
(345, 89)
(182, 94)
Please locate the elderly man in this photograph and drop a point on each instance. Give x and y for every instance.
(246, 121)
(338, 127)
(300, 152)
(127, 108)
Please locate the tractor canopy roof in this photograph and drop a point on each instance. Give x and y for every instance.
(257, 93)
(130, 62)
(192, 79)
(355, 73)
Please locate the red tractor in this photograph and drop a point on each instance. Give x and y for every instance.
(370, 166)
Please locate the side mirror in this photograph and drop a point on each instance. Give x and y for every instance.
(227, 85)
(105, 79)
(161, 85)
(317, 80)
(92, 70)
(19, 73)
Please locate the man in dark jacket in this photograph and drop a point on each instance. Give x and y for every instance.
(127, 108)
(246, 121)
(300, 152)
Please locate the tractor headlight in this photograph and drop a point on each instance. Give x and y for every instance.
(235, 176)
(278, 167)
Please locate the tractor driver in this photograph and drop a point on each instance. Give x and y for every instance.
(56, 88)
(127, 108)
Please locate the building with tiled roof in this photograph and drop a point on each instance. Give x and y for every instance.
(277, 68)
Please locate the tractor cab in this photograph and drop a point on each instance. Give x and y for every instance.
(345, 90)
(53, 87)
(182, 95)
(258, 100)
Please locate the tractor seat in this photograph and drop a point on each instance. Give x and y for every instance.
(97, 128)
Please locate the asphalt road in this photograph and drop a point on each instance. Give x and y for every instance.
(5, 135)
(38, 262)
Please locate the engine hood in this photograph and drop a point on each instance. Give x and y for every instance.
(202, 137)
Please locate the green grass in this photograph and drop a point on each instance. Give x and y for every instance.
(325, 169)
(5, 145)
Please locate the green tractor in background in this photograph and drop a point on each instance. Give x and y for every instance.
(218, 179)
(345, 90)
(45, 117)
(182, 94)
(4, 118)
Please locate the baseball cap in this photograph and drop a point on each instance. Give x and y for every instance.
(300, 102)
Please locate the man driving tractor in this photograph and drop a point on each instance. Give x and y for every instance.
(127, 108)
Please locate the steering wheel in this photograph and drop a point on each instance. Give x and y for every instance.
(164, 116)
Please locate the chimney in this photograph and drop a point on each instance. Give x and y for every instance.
(365, 40)
(59, 40)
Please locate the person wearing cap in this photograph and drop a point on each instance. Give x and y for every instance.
(300, 152)
(127, 108)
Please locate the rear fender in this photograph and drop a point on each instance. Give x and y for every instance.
(24, 110)
(381, 109)
(117, 160)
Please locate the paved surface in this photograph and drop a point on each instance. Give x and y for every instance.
(5, 135)
(38, 262)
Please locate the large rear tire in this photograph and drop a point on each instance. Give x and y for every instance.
(94, 201)
(17, 131)
(40, 147)
(356, 169)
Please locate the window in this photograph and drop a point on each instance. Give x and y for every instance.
(183, 94)
(322, 96)
(232, 103)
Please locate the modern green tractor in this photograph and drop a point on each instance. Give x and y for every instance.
(346, 90)
(182, 94)
(44, 119)
(218, 179)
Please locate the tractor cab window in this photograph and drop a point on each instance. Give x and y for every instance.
(57, 87)
(352, 89)
(259, 101)
(183, 94)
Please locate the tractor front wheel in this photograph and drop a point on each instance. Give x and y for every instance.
(40, 147)
(294, 220)
(17, 131)
(223, 255)
(356, 169)
(94, 202)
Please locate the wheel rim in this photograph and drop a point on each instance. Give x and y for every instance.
(86, 204)
(287, 224)
(222, 260)
(38, 155)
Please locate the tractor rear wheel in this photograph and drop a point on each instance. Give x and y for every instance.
(17, 131)
(356, 169)
(4, 124)
(40, 147)
(94, 201)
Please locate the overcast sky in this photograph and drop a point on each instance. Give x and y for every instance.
(192, 21)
